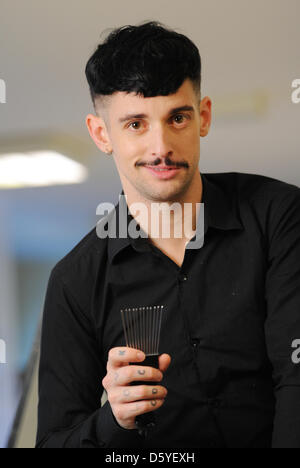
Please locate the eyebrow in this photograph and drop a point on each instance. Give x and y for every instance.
(173, 111)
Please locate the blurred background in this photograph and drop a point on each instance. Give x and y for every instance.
(52, 176)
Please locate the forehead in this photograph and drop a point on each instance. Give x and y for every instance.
(122, 100)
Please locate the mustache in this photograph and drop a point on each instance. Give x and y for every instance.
(167, 162)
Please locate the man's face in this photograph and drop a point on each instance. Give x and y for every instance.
(153, 132)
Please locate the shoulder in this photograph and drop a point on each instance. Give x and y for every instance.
(270, 198)
(256, 190)
(250, 186)
(260, 200)
(82, 262)
(257, 186)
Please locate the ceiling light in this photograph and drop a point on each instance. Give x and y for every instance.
(39, 168)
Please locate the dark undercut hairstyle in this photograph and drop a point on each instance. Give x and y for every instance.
(148, 60)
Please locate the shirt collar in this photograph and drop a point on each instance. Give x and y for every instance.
(220, 212)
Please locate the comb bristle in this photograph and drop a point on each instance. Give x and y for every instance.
(142, 326)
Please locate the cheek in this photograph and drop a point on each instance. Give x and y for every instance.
(190, 141)
(190, 135)
(126, 155)
(130, 150)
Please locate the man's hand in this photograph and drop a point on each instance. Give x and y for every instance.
(128, 401)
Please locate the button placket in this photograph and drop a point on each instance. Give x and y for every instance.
(214, 402)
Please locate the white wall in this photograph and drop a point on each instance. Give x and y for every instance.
(8, 332)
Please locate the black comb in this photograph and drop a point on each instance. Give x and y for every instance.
(142, 326)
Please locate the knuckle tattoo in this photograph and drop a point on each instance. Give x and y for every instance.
(153, 402)
(141, 371)
(122, 353)
(154, 391)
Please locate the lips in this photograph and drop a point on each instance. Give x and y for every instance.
(162, 168)
(163, 172)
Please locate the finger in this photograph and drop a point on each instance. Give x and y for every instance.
(146, 406)
(141, 392)
(120, 376)
(164, 362)
(122, 356)
(131, 410)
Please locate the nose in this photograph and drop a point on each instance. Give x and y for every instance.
(160, 142)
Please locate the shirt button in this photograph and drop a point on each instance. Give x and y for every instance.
(195, 342)
(183, 277)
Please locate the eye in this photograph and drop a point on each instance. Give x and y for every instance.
(179, 118)
(135, 125)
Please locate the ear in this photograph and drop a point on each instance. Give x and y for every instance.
(98, 132)
(205, 116)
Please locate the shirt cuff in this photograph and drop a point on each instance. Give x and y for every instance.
(111, 435)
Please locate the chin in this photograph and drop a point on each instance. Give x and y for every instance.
(164, 194)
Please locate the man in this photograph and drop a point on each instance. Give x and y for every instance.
(226, 376)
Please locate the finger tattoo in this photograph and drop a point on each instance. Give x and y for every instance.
(154, 391)
(153, 402)
(141, 372)
(122, 353)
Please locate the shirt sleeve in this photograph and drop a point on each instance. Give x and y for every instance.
(70, 380)
(282, 326)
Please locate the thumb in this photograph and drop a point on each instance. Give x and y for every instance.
(164, 362)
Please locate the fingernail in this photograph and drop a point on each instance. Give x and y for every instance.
(141, 356)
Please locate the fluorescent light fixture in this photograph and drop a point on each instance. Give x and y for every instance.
(39, 168)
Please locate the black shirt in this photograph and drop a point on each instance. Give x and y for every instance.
(231, 315)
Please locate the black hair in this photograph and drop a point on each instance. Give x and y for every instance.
(147, 59)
